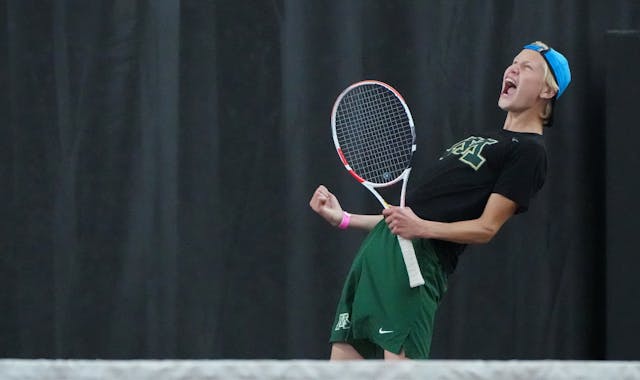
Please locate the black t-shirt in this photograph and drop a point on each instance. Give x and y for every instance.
(458, 186)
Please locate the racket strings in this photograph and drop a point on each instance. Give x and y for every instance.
(375, 133)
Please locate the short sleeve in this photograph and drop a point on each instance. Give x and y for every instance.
(523, 172)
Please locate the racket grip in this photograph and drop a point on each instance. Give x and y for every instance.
(411, 262)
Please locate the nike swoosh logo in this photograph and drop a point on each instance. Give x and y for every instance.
(381, 331)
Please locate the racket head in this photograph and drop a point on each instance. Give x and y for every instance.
(373, 133)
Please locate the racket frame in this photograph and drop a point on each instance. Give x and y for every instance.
(406, 246)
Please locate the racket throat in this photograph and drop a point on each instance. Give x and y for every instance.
(379, 197)
(403, 192)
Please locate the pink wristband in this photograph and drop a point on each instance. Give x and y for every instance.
(346, 218)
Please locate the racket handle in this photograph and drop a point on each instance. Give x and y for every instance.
(411, 262)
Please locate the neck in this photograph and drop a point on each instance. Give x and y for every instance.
(523, 122)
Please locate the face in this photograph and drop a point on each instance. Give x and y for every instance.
(523, 84)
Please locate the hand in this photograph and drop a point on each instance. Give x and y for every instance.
(326, 205)
(403, 222)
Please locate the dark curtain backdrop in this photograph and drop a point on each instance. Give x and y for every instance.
(158, 157)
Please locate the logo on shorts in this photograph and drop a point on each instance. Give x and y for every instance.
(381, 331)
(343, 322)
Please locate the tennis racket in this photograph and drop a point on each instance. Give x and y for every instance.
(375, 138)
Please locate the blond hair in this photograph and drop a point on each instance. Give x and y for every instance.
(551, 82)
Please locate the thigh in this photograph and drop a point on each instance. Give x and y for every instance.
(391, 356)
(344, 351)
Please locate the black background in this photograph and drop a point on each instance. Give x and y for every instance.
(158, 158)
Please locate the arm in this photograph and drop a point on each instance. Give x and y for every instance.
(403, 222)
(327, 206)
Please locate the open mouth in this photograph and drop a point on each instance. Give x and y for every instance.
(509, 86)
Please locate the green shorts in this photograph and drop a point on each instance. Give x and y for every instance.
(378, 310)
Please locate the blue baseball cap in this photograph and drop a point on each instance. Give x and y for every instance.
(557, 63)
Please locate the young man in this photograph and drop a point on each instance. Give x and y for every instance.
(466, 197)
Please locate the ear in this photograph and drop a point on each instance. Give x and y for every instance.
(547, 92)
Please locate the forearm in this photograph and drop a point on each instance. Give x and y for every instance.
(365, 222)
(464, 232)
(403, 222)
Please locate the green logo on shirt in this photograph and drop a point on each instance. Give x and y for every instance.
(470, 150)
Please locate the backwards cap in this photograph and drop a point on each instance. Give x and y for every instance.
(557, 63)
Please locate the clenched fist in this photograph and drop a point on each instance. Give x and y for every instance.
(326, 205)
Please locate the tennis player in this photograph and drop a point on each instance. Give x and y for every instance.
(465, 198)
